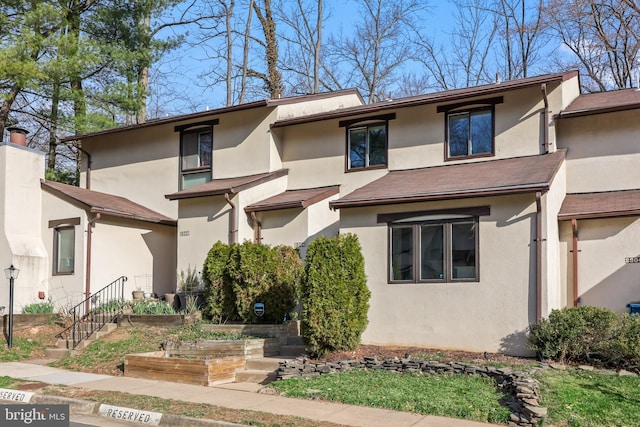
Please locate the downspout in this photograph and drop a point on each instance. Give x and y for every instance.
(90, 225)
(574, 227)
(256, 227)
(232, 222)
(88, 179)
(545, 118)
(539, 241)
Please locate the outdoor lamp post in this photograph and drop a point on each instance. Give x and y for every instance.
(11, 273)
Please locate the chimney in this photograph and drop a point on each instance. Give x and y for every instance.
(18, 135)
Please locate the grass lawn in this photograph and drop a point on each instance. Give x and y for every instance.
(459, 396)
(581, 398)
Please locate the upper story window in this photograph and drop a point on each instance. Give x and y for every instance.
(367, 142)
(196, 147)
(470, 131)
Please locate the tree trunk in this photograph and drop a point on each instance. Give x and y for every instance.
(274, 80)
(6, 107)
(53, 118)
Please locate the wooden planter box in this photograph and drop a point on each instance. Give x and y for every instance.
(246, 349)
(30, 320)
(206, 372)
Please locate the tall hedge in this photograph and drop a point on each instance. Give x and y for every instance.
(335, 297)
(238, 276)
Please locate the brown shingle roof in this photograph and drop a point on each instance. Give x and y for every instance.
(600, 205)
(218, 187)
(430, 98)
(603, 102)
(106, 204)
(294, 199)
(477, 179)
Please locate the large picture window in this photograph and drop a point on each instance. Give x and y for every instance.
(434, 250)
(470, 133)
(63, 250)
(195, 156)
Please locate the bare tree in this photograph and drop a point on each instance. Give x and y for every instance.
(602, 36)
(272, 78)
(379, 46)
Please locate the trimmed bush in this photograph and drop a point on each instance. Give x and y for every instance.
(588, 334)
(335, 297)
(238, 276)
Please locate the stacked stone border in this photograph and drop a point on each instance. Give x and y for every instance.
(521, 388)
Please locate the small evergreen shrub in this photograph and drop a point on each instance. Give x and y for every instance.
(238, 276)
(588, 334)
(335, 297)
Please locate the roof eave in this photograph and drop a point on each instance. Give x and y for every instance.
(598, 215)
(597, 110)
(520, 189)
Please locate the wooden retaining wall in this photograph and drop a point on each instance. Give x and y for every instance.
(205, 372)
(247, 349)
(290, 328)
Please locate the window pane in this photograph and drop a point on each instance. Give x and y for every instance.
(481, 132)
(190, 151)
(206, 145)
(193, 179)
(402, 253)
(458, 135)
(357, 147)
(432, 252)
(463, 250)
(64, 250)
(378, 145)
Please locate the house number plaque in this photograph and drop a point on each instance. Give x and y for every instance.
(632, 260)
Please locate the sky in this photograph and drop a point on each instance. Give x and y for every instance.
(183, 67)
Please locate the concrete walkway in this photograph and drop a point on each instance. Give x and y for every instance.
(235, 396)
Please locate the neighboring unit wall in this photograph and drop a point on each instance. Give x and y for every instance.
(489, 315)
(319, 103)
(21, 244)
(605, 278)
(602, 153)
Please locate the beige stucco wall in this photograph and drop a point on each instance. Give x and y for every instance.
(20, 217)
(602, 152)
(65, 290)
(554, 295)
(604, 279)
(489, 315)
(143, 252)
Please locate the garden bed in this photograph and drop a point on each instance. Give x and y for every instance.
(30, 320)
(151, 319)
(158, 366)
(245, 348)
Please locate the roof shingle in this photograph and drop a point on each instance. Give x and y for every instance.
(600, 205)
(294, 199)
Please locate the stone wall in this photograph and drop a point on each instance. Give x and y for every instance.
(521, 386)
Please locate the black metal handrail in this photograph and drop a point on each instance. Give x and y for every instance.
(91, 314)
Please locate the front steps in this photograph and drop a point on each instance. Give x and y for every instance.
(262, 370)
(64, 347)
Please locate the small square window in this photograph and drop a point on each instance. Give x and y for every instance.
(470, 133)
(63, 250)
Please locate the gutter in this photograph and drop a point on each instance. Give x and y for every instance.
(574, 227)
(232, 219)
(545, 117)
(539, 239)
(90, 225)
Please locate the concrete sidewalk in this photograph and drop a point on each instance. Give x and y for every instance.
(235, 396)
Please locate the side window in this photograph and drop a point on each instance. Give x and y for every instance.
(367, 146)
(470, 133)
(434, 251)
(64, 250)
(196, 147)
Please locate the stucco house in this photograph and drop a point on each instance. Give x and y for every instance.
(479, 210)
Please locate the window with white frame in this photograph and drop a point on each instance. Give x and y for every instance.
(434, 248)
(195, 156)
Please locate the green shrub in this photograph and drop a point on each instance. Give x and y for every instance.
(577, 334)
(335, 297)
(238, 276)
(38, 308)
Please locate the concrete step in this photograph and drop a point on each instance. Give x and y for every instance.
(255, 376)
(295, 340)
(57, 353)
(292, 350)
(263, 363)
